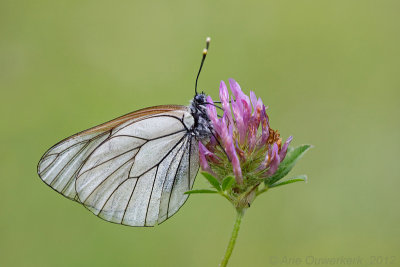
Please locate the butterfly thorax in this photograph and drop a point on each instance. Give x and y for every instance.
(202, 125)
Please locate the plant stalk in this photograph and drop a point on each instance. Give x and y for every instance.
(232, 241)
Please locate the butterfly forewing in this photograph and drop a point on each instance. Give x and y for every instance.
(132, 170)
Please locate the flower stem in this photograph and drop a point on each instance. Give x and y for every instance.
(232, 241)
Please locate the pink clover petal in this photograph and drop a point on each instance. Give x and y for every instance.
(254, 125)
(244, 104)
(264, 164)
(252, 137)
(237, 103)
(239, 121)
(275, 160)
(246, 111)
(230, 150)
(237, 92)
(257, 114)
(235, 88)
(212, 115)
(264, 127)
(224, 97)
(252, 133)
(226, 139)
(202, 158)
(212, 144)
(209, 155)
(253, 99)
(211, 110)
(282, 153)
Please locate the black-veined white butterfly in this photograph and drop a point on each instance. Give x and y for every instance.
(134, 169)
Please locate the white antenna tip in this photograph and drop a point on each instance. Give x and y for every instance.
(208, 39)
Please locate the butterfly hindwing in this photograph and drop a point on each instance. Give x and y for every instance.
(59, 166)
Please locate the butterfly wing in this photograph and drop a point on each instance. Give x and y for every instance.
(60, 165)
(132, 170)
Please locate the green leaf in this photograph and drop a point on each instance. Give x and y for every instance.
(213, 181)
(300, 178)
(200, 191)
(227, 183)
(292, 156)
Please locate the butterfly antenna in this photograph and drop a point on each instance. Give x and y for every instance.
(202, 62)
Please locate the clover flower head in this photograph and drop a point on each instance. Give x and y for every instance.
(243, 144)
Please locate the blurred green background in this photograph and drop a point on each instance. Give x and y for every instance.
(329, 71)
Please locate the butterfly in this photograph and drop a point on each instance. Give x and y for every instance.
(132, 170)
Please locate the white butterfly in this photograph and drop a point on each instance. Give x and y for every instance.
(134, 169)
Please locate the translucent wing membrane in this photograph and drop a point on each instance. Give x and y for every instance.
(59, 166)
(133, 172)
